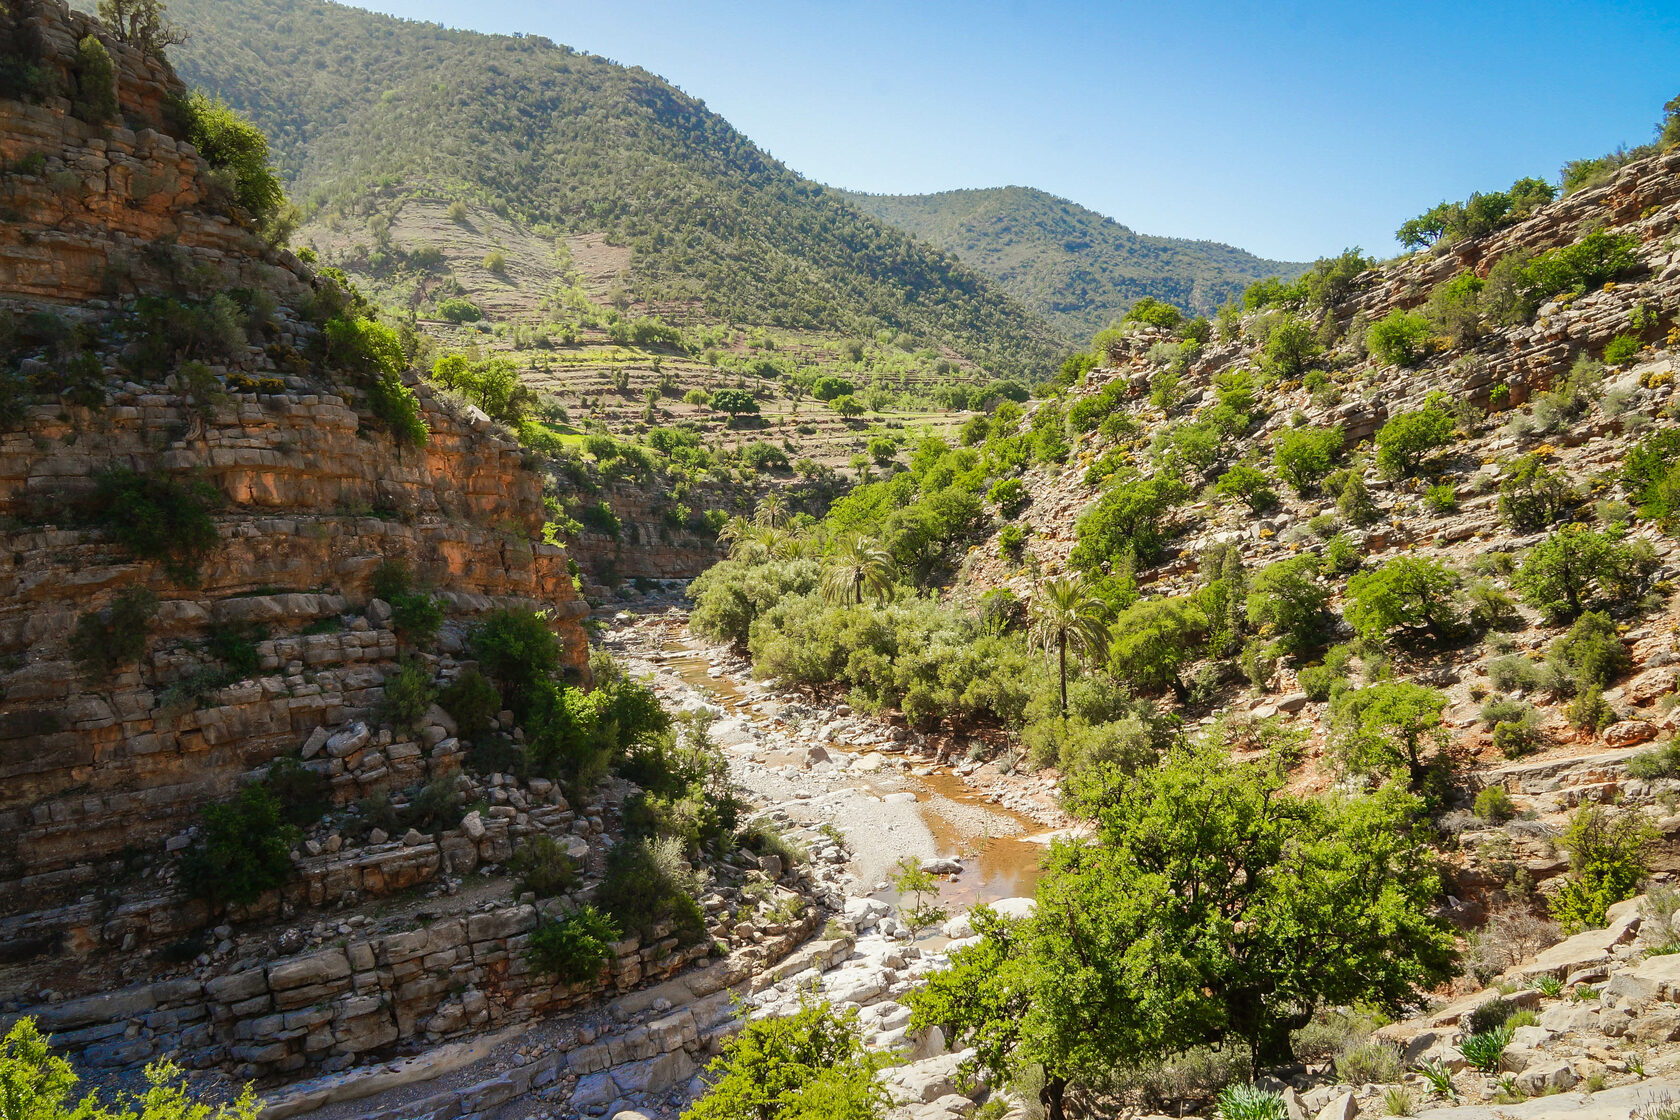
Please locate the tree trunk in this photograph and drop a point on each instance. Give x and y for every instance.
(1051, 1096)
(1061, 659)
(857, 585)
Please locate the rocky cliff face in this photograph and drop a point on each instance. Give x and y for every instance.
(312, 494)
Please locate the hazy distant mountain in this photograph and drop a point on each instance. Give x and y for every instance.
(1072, 265)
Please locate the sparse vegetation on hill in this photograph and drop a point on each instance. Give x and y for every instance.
(564, 142)
(1076, 268)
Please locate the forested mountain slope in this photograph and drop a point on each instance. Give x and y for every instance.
(1074, 266)
(364, 110)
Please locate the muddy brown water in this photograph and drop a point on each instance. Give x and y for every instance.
(999, 859)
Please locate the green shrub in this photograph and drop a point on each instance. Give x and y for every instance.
(811, 1065)
(1607, 862)
(398, 409)
(105, 640)
(1291, 347)
(1658, 762)
(416, 618)
(238, 149)
(1514, 738)
(1494, 804)
(390, 579)
(459, 310)
(1485, 1051)
(1593, 651)
(761, 456)
(1488, 1015)
(1317, 681)
(96, 82)
(1009, 494)
(1590, 711)
(408, 694)
(1341, 556)
(472, 702)
(517, 650)
(1513, 672)
(1405, 440)
(648, 887)
(1354, 502)
(1622, 348)
(1368, 1063)
(1532, 497)
(543, 867)
(574, 948)
(234, 644)
(1443, 498)
(303, 794)
(1250, 1102)
(1303, 456)
(157, 518)
(436, 807)
(1249, 485)
(243, 849)
(1012, 542)
(1400, 338)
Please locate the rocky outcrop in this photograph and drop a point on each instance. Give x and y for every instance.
(107, 209)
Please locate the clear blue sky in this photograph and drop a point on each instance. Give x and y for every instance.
(1289, 129)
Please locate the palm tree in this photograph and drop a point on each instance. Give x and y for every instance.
(759, 542)
(857, 564)
(1064, 613)
(771, 510)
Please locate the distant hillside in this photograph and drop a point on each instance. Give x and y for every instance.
(365, 111)
(1072, 265)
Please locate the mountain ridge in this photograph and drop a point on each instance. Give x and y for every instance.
(364, 110)
(1077, 267)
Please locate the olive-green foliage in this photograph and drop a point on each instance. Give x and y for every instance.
(104, 640)
(1129, 518)
(1442, 498)
(1519, 283)
(541, 866)
(517, 650)
(574, 948)
(1303, 456)
(811, 1065)
(1589, 710)
(96, 82)
(153, 517)
(1130, 915)
(1151, 642)
(1455, 309)
(398, 409)
(1341, 556)
(1658, 762)
(236, 147)
(1607, 862)
(648, 885)
(733, 401)
(1562, 574)
(408, 694)
(928, 661)
(1287, 598)
(24, 72)
(1405, 440)
(1247, 483)
(1155, 313)
(1622, 348)
(1400, 338)
(575, 735)
(472, 701)
(1405, 596)
(729, 595)
(1532, 497)
(1494, 804)
(1391, 727)
(1368, 1063)
(1651, 474)
(1353, 498)
(36, 1084)
(1593, 651)
(1480, 214)
(243, 849)
(1291, 347)
(303, 793)
(416, 617)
